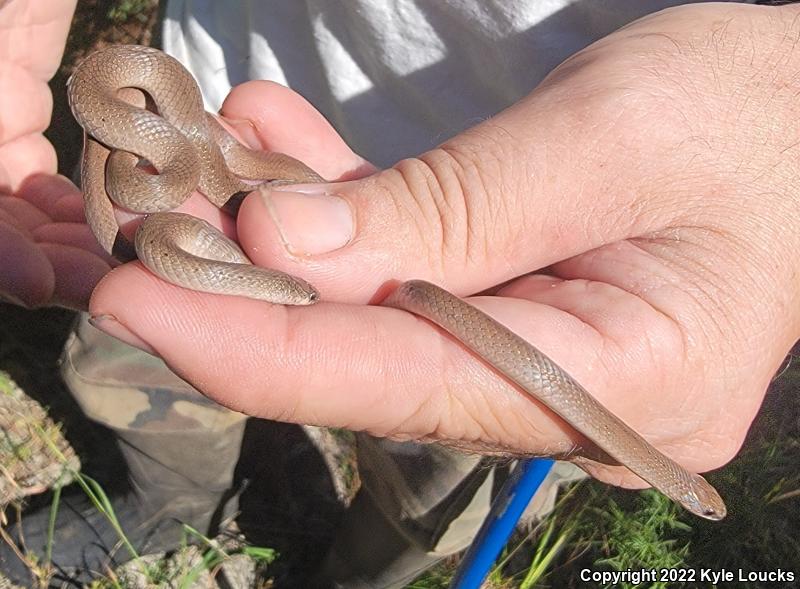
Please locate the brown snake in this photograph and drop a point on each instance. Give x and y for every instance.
(138, 104)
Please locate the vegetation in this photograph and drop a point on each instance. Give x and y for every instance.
(122, 11)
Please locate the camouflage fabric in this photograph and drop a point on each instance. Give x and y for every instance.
(152, 410)
(123, 387)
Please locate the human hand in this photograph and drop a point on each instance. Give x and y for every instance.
(48, 256)
(655, 175)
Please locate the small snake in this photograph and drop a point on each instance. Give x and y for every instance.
(139, 106)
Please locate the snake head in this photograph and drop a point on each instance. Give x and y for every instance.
(703, 500)
(298, 292)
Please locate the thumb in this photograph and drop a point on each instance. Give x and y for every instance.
(481, 209)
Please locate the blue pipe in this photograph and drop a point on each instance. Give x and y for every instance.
(506, 510)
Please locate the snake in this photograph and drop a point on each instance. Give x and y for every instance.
(149, 143)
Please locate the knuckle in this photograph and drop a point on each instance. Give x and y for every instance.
(462, 204)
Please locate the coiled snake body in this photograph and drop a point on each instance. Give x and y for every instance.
(110, 93)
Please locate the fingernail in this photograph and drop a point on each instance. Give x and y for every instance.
(246, 131)
(109, 325)
(310, 223)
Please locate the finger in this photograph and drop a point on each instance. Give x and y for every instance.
(287, 340)
(54, 195)
(77, 271)
(25, 26)
(25, 106)
(25, 157)
(25, 214)
(485, 207)
(69, 209)
(375, 369)
(26, 276)
(688, 335)
(637, 349)
(12, 221)
(272, 117)
(76, 235)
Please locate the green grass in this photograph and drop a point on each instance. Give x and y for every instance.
(160, 573)
(124, 10)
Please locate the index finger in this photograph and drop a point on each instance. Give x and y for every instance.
(272, 117)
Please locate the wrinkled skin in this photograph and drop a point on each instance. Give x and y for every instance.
(655, 174)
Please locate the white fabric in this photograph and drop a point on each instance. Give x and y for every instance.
(395, 77)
